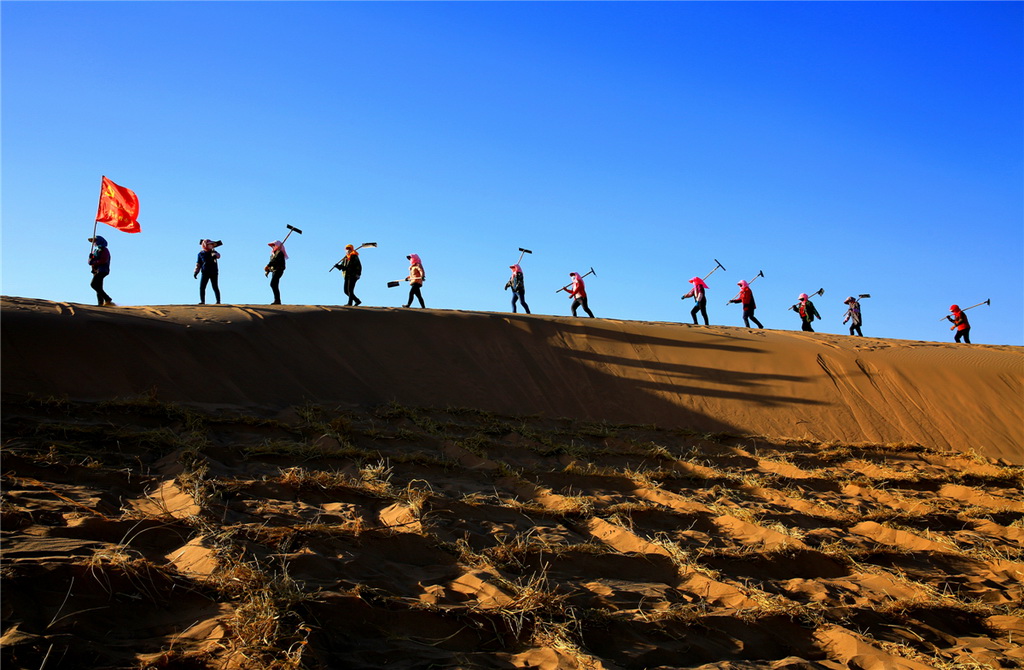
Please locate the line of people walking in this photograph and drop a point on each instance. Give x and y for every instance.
(207, 271)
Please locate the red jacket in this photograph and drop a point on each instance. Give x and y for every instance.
(960, 321)
(579, 289)
(747, 298)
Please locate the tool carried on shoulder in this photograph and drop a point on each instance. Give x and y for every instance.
(986, 302)
(760, 273)
(592, 272)
(717, 265)
(819, 292)
(337, 266)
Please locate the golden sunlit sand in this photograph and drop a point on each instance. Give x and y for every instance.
(320, 487)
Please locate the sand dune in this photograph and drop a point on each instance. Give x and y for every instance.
(310, 487)
(717, 379)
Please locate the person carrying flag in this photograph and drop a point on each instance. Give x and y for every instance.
(99, 261)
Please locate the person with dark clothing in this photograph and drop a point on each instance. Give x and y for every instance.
(959, 320)
(746, 298)
(700, 297)
(276, 265)
(518, 285)
(352, 268)
(578, 293)
(808, 313)
(853, 315)
(99, 261)
(417, 275)
(207, 265)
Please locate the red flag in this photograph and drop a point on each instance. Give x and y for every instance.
(119, 207)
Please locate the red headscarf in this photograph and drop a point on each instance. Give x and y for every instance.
(277, 245)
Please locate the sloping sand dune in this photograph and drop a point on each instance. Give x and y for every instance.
(716, 379)
(308, 487)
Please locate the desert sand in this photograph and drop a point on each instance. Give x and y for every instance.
(327, 487)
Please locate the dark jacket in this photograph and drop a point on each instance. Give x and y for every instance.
(351, 266)
(853, 313)
(99, 259)
(207, 263)
(517, 283)
(746, 298)
(806, 310)
(276, 263)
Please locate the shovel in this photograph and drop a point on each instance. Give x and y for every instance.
(717, 265)
(337, 265)
(393, 284)
(987, 302)
(581, 277)
(291, 229)
(522, 251)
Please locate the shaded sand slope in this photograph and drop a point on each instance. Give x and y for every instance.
(716, 379)
(141, 534)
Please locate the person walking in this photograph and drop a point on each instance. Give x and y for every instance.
(746, 298)
(959, 320)
(352, 268)
(518, 286)
(207, 265)
(853, 315)
(807, 311)
(99, 261)
(276, 265)
(578, 293)
(417, 275)
(700, 298)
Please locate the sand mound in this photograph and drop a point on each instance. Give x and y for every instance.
(714, 379)
(236, 487)
(143, 534)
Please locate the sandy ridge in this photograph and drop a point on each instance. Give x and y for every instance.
(717, 379)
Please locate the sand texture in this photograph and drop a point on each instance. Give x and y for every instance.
(314, 487)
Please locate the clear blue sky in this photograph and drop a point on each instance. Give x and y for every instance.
(868, 147)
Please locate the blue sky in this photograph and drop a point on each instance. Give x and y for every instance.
(856, 147)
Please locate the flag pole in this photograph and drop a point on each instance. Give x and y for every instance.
(96, 222)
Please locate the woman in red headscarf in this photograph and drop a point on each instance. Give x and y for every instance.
(807, 311)
(700, 297)
(518, 286)
(275, 265)
(416, 277)
(960, 323)
(206, 264)
(746, 298)
(578, 293)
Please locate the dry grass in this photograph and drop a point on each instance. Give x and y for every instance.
(502, 535)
